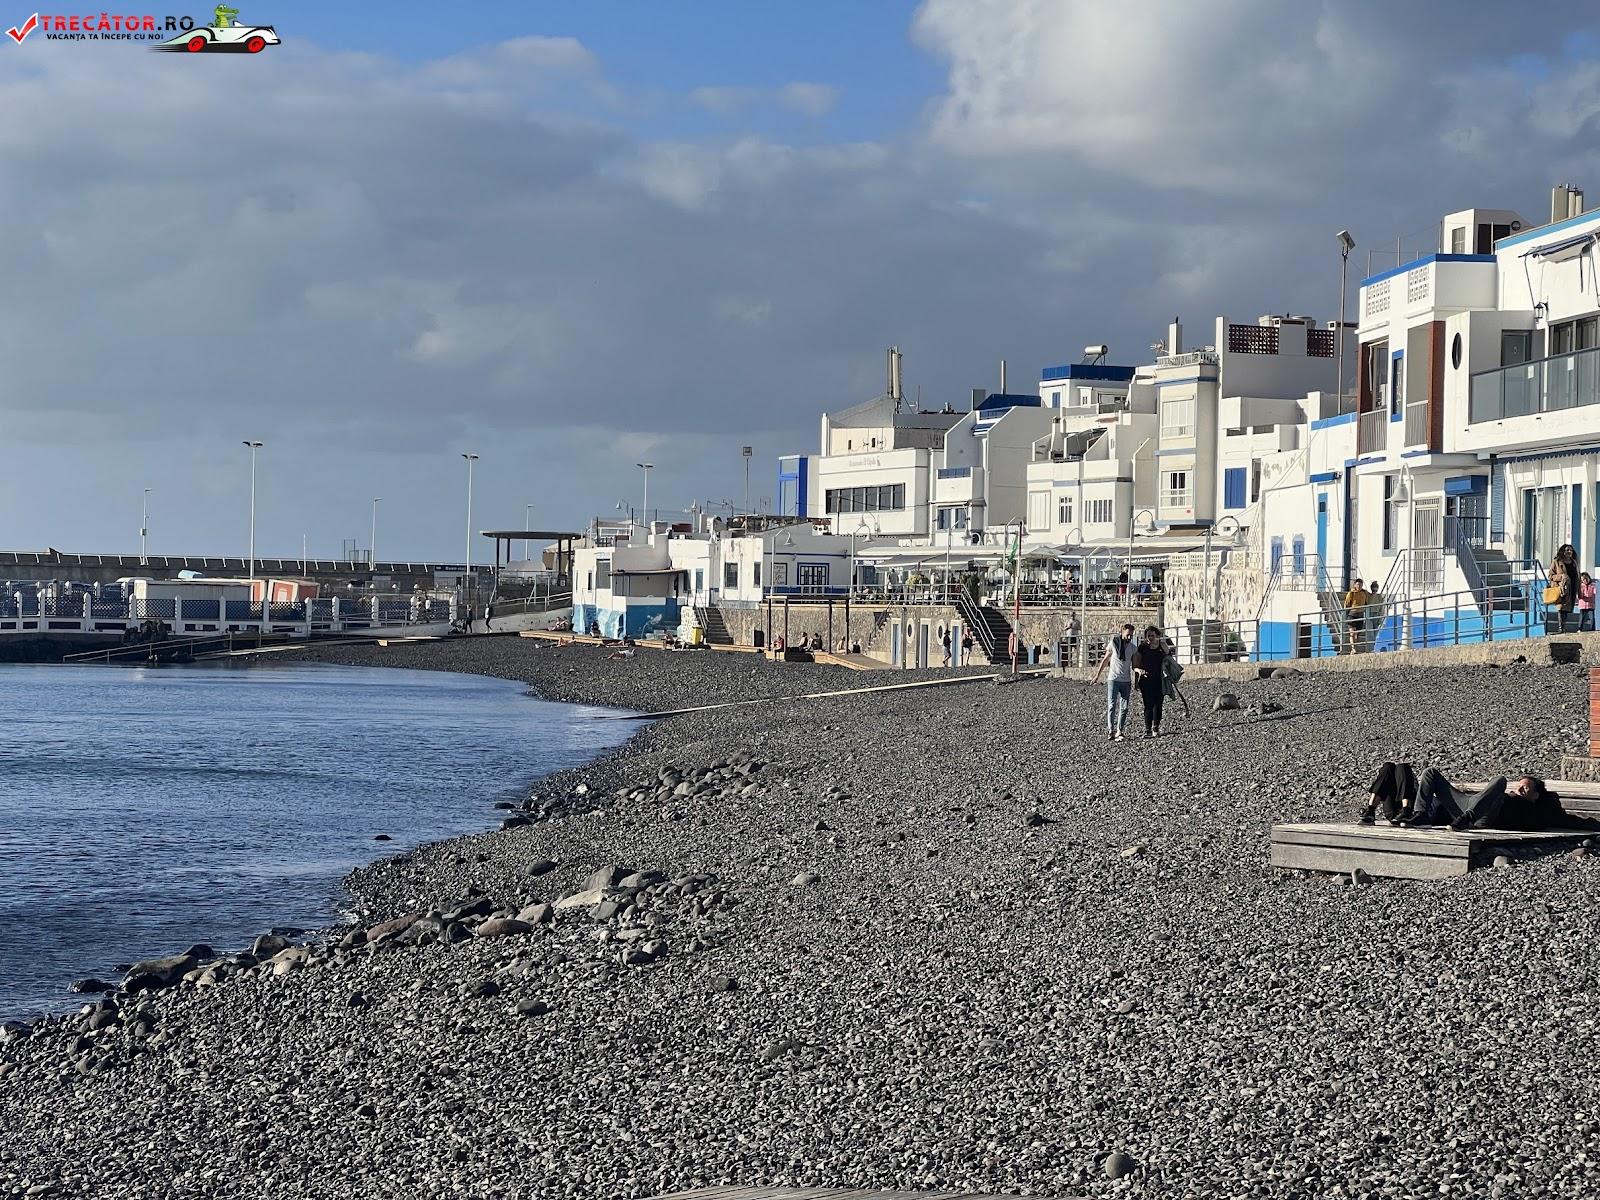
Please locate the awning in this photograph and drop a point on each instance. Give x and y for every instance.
(1563, 250)
(1466, 485)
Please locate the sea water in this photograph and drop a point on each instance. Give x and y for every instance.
(146, 809)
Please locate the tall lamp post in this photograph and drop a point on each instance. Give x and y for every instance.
(644, 511)
(466, 578)
(1346, 244)
(372, 542)
(144, 528)
(254, 446)
(527, 543)
(1229, 527)
(745, 452)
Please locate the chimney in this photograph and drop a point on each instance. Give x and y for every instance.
(979, 395)
(1175, 337)
(1002, 377)
(1565, 201)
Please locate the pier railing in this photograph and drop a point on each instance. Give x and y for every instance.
(86, 614)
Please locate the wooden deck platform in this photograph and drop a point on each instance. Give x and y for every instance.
(1393, 852)
(771, 1193)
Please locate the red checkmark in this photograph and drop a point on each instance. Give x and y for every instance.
(28, 27)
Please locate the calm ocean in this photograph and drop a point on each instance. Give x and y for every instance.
(145, 809)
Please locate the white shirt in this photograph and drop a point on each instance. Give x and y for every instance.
(1120, 669)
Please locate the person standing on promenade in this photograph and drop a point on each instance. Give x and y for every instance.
(1372, 615)
(1562, 594)
(1585, 603)
(1119, 682)
(1150, 674)
(944, 639)
(1355, 611)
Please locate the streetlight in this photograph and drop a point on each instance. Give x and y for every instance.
(372, 542)
(1133, 495)
(144, 528)
(466, 578)
(527, 526)
(1346, 244)
(1133, 524)
(644, 510)
(254, 446)
(1229, 527)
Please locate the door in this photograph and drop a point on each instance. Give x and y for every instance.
(1322, 532)
(922, 644)
(812, 578)
(896, 645)
(1550, 523)
(1427, 538)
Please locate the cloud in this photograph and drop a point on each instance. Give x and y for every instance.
(808, 99)
(386, 262)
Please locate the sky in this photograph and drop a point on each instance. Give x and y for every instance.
(572, 237)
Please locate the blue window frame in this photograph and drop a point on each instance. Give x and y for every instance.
(1277, 552)
(1233, 485)
(1397, 385)
(1299, 554)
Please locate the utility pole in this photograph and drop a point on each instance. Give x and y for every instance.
(144, 529)
(466, 578)
(745, 452)
(372, 542)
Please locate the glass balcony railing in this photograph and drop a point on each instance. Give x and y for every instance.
(1544, 385)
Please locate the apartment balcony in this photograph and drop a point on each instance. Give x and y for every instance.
(1544, 385)
(1372, 432)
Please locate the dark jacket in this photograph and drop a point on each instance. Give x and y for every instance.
(1152, 660)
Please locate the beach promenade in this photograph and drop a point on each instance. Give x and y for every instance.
(944, 940)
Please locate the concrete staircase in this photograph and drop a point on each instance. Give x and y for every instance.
(988, 624)
(716, 628)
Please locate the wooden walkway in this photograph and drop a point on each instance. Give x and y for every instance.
(771, 1193)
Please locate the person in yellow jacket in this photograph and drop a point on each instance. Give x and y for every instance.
(1355, 615)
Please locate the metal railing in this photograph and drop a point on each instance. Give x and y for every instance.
(184, 617)
(1417, 424)
(1398, 622)
(1551, 384)
(1372, 431)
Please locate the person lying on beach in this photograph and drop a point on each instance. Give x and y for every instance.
(1406, 798)
(625, 652)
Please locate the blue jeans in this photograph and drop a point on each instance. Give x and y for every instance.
(1118, 693)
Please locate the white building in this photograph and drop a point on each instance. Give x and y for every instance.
(1473, 449)
(639, 585)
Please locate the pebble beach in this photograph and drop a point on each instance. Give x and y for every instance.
(943, 939)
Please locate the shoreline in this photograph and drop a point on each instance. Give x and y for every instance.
(502, 803)
(935, 939)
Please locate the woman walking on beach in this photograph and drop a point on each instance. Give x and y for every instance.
(1150, 674)
(1562, 594)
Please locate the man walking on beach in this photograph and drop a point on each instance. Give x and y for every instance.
(1119, 683)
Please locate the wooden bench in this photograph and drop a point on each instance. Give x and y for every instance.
(1395, 852)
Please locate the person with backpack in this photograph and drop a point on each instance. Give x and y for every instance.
(1173, 675)
(1118, 660)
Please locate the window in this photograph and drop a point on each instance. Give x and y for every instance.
(699, 579)
(1055, 399)
(755, 570)
(1516, 346)
(602, 572)
(1177, 418)
(1175, 489)
(1390, 512)
(1255, 480)
(888, 498)
(1397, 385)
(1458, 240)
(1064, 510)
(1097, 512)
(1038, 510)
(952, 518)
(780, 574)
(1378, 373)
(1233, 487)
(730, 576)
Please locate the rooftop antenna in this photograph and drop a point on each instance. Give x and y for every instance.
(894, 378)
